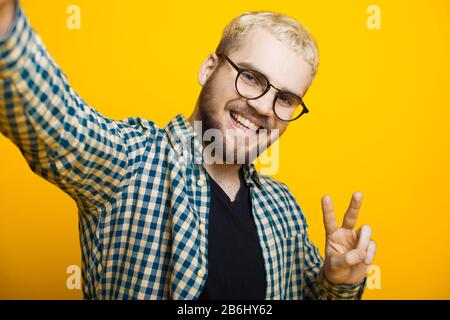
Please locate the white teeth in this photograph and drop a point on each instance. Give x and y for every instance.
(247, 123)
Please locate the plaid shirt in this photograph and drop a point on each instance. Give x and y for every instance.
(143, 202)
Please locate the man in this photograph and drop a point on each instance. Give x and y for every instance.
(156, 223)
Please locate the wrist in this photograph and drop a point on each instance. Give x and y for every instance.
(342, 291)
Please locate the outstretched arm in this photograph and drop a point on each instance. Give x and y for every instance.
(62, 138)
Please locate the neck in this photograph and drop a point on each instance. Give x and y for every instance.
(227, 177)
(224, 173)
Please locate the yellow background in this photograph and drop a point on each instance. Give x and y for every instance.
(379, 123)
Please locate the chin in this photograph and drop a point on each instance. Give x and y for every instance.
(239, 154)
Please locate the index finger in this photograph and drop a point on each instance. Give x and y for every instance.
(351, 215)
(329, 218)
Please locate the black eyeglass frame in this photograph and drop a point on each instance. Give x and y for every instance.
(241, 70)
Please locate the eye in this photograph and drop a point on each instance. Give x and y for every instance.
(287, 100)
(253, 78)
(249, 77)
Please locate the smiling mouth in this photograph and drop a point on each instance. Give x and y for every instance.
(244, 122)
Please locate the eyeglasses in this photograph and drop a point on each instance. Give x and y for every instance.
(252, 85)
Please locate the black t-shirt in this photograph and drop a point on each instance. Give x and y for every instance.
(235, 263)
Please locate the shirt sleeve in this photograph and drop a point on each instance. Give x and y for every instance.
(317, 286)
(62, 138)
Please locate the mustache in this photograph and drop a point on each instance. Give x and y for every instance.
(245, 109)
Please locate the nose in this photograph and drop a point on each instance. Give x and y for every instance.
(264, 104)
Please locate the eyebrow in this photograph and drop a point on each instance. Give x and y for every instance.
(249, 65)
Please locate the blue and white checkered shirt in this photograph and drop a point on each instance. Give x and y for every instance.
(143, 209)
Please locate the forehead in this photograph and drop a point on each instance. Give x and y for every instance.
(285, 68)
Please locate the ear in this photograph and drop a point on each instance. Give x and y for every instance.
(207, 68)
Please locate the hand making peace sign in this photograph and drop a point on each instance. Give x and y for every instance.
(348, 253)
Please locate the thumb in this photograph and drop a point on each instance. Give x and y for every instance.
(348, 259)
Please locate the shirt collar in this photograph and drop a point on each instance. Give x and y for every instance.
(251, 175)
(180, 130)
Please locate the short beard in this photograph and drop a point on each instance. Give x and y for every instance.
(206, 108)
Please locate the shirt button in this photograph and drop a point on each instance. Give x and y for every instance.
(202, 228)
(201, 272)
(200, 182)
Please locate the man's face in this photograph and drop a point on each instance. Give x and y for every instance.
(221, 107)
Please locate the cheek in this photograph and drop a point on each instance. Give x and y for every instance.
(281, 126)
(224, 91)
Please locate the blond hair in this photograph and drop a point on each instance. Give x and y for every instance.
(283, 27)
